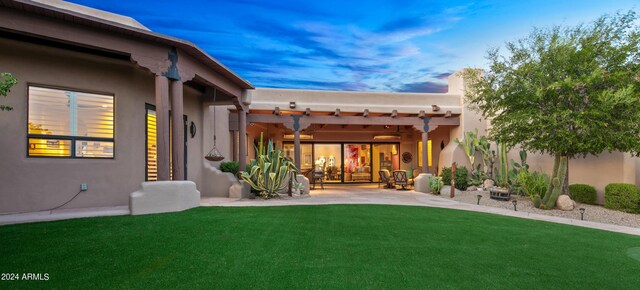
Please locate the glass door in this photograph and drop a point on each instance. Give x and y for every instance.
(385, 157)
(328, 158)
(357, 162)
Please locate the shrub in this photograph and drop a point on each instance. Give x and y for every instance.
(533, 183)
(583, 193)
(446, 175)
(435, 184)
(622, 197)
(462, 177)
(231, 166)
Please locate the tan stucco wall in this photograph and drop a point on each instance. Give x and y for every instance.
(28, 184)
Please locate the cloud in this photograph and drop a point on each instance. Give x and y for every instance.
(423, 87)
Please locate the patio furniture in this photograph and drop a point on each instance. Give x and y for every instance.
(318, 175)
(385, 179)
(400, 177)
(414, 174)
(360, 176)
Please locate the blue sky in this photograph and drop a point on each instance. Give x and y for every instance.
(392, 45)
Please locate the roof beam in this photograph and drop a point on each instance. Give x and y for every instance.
(365, 113)
(422, 114)
(307, 112)
(337, 113)
(447, 114)
(435, 108)
(394, 113)
(276, 111)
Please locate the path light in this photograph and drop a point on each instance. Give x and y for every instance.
(515, 204)
(582, 209)
(479, 197)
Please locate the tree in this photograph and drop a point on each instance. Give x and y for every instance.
(6, 82)
(564, 91)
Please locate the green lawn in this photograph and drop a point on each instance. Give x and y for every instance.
(334, 246)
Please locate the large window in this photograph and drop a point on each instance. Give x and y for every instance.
(65, 123)
(429, 153)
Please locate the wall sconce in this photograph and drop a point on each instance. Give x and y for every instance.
(292, 105)
(192, 129)
(582, 209)
(479, 197)
(515, 205)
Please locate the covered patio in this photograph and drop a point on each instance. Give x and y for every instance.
(345, 144)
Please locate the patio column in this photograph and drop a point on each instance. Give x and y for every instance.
(177, 130)
(242, 146)
(425, 156)
(425, 145)
(296, 140)
(162, 126)
(234, 145)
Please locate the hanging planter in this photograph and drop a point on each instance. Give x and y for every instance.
(214, 154)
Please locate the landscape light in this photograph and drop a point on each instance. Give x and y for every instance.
(582, 209)
(479, 197)
(515, 204)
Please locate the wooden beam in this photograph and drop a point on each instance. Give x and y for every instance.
(354, 120)
(365, 113)
(276, 111)
(344, 126)
(394, 113)
(435, 108)
(447, 114)
(365, 126)
(337, 113)
(307, 112)
(422, 114)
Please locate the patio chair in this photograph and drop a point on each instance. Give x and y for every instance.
(400, 177)
(318, 175)
(385, 179)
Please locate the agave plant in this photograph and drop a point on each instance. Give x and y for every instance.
(267, 173)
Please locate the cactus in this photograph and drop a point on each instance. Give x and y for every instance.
(503, 176)
(557, 182)
(469, 144)
(536, 201)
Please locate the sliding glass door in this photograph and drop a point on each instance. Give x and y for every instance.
(357, 162)
(346, 162)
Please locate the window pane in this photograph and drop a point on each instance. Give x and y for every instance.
(49, 147)
(98, 149)
(357, 163)
(69, 113)
(49, 112)
(152, 153)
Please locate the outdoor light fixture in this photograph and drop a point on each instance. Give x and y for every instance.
(386, 137)
(479, 197)
(302, 136)
(292, 105)
(515, 205)
(582, 209)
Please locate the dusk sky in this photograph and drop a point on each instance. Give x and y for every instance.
(393, 45)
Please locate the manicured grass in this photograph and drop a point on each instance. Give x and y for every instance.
(334, 246)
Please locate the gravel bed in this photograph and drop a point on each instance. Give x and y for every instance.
(593, 213)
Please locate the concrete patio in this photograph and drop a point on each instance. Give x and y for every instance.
(332, 194)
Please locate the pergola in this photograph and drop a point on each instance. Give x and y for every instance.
(298, 121)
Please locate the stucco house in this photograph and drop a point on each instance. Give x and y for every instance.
(103, 101)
